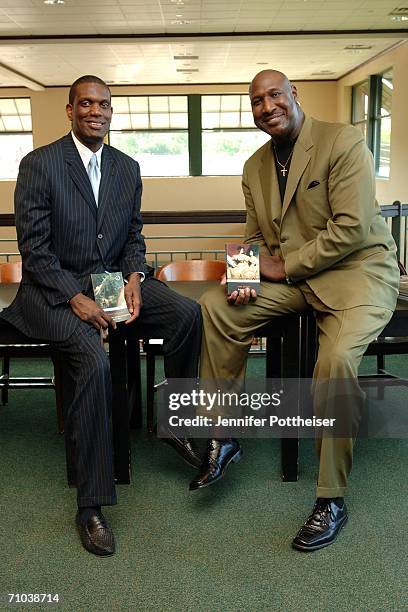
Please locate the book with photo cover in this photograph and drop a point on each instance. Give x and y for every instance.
(109, 294)
(242, 266)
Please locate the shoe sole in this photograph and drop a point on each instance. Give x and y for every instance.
(319, 546)
(234, 459)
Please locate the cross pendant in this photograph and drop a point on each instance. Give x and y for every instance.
(284, 171)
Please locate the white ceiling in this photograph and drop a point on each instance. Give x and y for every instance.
(135, 41)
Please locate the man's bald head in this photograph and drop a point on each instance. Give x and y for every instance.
(276, 75)
(275, 106)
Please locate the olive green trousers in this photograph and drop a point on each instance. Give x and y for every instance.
(343, 338)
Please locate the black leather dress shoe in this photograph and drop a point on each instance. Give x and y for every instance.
(220, 453)
(96, 535)
(322, 526)
(184, 447)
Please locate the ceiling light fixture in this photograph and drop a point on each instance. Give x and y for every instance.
(181, 22)
(185, 57)
(54, 1)
(357, 47)
(399, 14)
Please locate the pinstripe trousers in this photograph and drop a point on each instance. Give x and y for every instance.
(164, 314)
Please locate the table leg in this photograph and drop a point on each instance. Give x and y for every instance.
(120, 405)
(290, 362)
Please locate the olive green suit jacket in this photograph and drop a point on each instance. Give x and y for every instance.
(329, 228)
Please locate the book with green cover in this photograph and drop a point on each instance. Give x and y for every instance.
(109, 294)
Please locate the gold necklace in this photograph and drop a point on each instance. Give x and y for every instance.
(283, 169)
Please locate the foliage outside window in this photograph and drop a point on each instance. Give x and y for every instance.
(229, 136)
(157, 131)
(16, 139)
(154, 131)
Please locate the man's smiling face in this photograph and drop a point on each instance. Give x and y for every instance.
(274, 106)
(90, 114)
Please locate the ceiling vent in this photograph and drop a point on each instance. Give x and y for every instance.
(185, 57)
(187, 70)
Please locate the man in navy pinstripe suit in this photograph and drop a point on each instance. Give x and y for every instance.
(68, 229)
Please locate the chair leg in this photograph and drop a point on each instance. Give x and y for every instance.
(58, 385)
(5, 379)
(134, 384)
(273, 357)
(380, 370)
(150, 372)
(380, 363)
(290, 459)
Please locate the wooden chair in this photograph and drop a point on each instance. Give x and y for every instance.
(192, 270)
(15, 344)
(10, 272)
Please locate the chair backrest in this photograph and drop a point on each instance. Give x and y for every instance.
(10, 272)
(192, 270)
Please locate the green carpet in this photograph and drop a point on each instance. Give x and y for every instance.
(224, 548)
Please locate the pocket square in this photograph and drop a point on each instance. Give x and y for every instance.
(313, 184)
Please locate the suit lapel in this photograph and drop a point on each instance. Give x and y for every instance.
(300, 160)
(109, 183)
(270, 186)
(77, 172)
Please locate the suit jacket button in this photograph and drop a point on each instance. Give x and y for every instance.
(100, 236)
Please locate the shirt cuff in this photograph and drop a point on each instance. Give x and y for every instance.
(141, 274)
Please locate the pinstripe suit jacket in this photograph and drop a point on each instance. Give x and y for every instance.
(63, 236)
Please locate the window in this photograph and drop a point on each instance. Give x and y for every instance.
(382, 122)
(371, 112)
(16, 139)
(360, 106)
(229, 136)
(154, 131)
(186, 135)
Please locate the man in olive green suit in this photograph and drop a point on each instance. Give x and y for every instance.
(310, 200)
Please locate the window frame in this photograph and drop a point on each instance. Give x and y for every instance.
(144, 130)
(21, 132)
(194, 127)
(374, 116)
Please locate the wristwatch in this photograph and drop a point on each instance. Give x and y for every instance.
(288, 281)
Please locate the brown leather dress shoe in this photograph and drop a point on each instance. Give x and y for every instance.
(220, 453)
(322, 526)
(96, 535)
